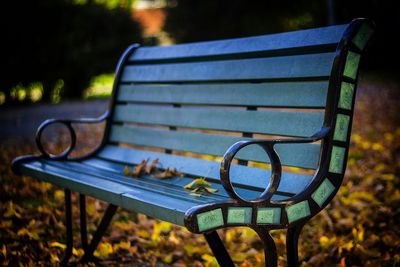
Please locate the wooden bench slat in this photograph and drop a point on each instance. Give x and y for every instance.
(243, 176)
(310, 94)
(273, 42)
(164, 207)
(298, 155)
(298, 66)
(264, 122)
(170, 186)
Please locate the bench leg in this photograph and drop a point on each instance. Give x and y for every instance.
(105, 221)
(270, 255)
(68, 222)
(82, 213)
(218, 249)
(292, 240)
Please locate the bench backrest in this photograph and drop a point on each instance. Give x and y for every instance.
(202, 97)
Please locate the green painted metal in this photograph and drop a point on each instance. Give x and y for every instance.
(323, 192)
(210, 219)
(364, 34)
(300, 41)
(337, 159)
(240, 175)
(239, 215)
(346, 96)
(310, 94)
(298, 66)
(298, 211)
(341, 128)
(211, 144)
(268, 215)
(351, 66)
(264, 122)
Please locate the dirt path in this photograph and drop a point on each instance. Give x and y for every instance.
(23, 121)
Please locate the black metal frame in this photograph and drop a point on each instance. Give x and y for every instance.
(325, 135)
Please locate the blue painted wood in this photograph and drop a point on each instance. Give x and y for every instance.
(213, 145)
(298, 66)
(273, 42)
(243, 176)
(166, 202)
(265, 122)
(310, 94)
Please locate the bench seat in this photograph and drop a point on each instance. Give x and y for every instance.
(165, 199)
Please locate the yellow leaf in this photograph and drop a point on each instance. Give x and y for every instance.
(78, 252)
(59, 195)
(190, 185)
(122, 245)
(160, 227)
(5, 224)
(26, 232)
(4, 251)
(210, 261)
(103, 250)
(11, 211)
(210, 190)
(126, 170)
(190, 249)
(168, 259)
(57, 245)
(173, 238)
(54, 258)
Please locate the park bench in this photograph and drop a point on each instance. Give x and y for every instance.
(265, 119)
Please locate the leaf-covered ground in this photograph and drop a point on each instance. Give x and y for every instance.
(359, 228)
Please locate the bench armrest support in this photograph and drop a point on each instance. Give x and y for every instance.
(276, 172)
(68, 123)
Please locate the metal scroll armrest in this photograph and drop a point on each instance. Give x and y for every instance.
(68, 123)
(276, 171)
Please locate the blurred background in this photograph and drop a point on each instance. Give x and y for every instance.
(56, 50)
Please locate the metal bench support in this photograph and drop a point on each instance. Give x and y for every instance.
(218, 249)
(292, 240)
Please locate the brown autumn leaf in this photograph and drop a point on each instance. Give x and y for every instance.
(167, 173)
(140, 168)
(152, 166)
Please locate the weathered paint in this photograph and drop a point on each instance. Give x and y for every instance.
(346, 96)
(351, 67)
(210, 219)
(337, 159)
(268, 215)
(341, 128)
(323, 192)
(239, 215)
(298, 211)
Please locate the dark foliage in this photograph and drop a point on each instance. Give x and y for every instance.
(48, 40)
(191, 20)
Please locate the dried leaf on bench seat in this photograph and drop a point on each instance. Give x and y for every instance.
(199, 186)
(140, 169)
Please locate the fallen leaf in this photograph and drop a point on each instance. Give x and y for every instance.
(140, 168)
(151, 167)
(57, 245)
(126, 170)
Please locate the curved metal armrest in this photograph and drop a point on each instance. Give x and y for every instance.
(68, 124)
(276, 172)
